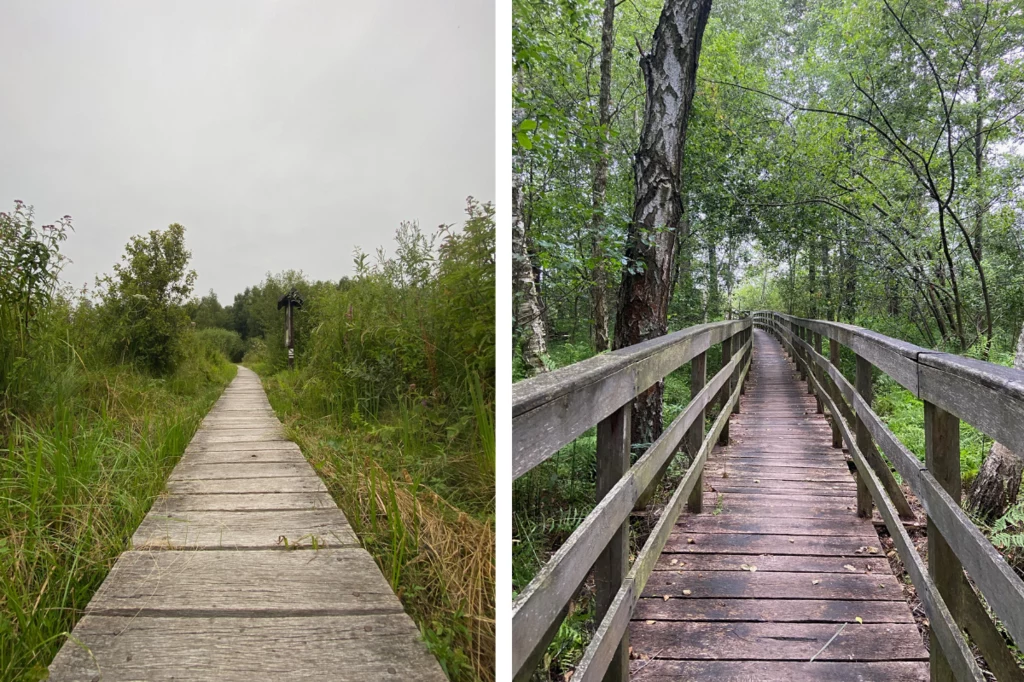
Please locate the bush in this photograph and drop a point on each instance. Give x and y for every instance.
(145, 299)
(225, 341)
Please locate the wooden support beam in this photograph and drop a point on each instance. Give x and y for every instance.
(834, 349)
(695, 436)
(613, 445)
(723, 396)
(942, 457)
(864, 388)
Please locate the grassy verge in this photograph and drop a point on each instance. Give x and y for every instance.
(422, 504)
(76, 478)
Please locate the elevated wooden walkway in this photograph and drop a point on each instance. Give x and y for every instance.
(766, 577)
(775, 572)
(245, 569)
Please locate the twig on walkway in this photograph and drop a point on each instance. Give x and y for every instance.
(827, 643)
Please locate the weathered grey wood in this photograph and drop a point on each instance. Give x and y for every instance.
(553, 408)
(695, 435)
(207, 486)
(250, 530)
(380, 646)
(262, 501)
(268, 582)
(946, 636)
(942, 457)
(614, 626)
(243, 564)
(544, 598)
(862, 393)
(987, 396)
(784, 671)
(726, 392)
(613, 447)
(834, 350)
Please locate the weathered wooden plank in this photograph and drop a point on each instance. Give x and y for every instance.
(250, 530)
(732, 523)
(189, 471)
(553, 408)
(772, 610)
(206, 486)
(263, 501)
(380, 646)
(743, 543)
(789, 671)
(778, 641)
(854, 585)
(786, 563)
(346, 580)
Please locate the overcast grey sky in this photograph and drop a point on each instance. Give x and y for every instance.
(281, 134)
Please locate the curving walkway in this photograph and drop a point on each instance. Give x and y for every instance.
(244, 569)
(766, 577)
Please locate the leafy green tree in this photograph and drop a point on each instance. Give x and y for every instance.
(145, 298)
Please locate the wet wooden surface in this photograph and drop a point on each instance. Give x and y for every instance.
(778, 564)
(244, 569)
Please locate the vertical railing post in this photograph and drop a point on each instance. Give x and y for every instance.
(745, 336)
(864, 388)
(805, 334)
(833, 356)
(613, 443)
(737, 346)
(820, 375)
(723, 393)
(695, 435)
(942, 457)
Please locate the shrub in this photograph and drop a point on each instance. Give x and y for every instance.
(145, 299)
(225, 341)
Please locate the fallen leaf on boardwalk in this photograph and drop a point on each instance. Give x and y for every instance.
(674, 562)
(667, 597)
(872, 550)
(687, 592)
(881, 587)
(848, 567)
(689, 541)
(745, 567)
(792, 540)
(757, 480)
(650, 622)
(859, 620)
(815, 582)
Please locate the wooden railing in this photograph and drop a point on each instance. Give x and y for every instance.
(550, 411)
(962, 566)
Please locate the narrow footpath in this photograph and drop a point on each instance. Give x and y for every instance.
(778, 578)
(244, 569)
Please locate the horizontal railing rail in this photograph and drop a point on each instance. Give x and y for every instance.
(549, 411)
(987, 396)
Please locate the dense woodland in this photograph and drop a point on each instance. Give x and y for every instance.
(391, 399)
(851, 161)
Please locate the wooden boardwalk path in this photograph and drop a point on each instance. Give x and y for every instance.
(767, 575)
(245, 569)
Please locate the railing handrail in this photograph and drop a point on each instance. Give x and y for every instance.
(557, 407)
(983, 395)
(551, 409)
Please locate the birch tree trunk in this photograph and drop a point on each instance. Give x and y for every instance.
(527, 308)
(998, 483)
(598, 276)
(670, 71)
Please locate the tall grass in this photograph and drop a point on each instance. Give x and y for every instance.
(393, 403)
(86, 443)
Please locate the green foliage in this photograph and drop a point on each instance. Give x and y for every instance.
(85, 444)
(144, 299)
(392, 400)
(225, 341)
